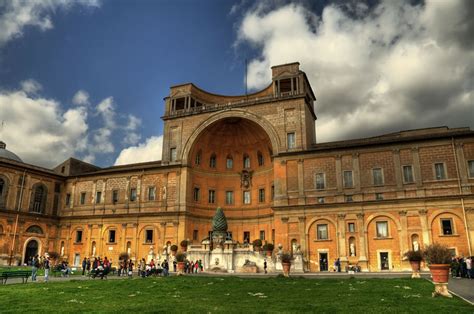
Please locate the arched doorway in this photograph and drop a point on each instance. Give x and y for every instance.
(31, 250)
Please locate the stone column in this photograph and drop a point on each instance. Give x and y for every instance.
(398, 168)
(93, 196)
(280, 177)
(363, 260)
(356, 177)
(89, 240)
(339, 173)
(163, 227)
(462, 166)
(417, 169)
(124, 237)
(403, 238)
(73, 194)
(302, 231)
(341, 232)
(425, 228)
(301, 195)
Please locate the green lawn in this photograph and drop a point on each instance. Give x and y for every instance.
(229, 294)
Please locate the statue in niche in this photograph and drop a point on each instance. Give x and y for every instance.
(151, 252)
(164, 193)
(416, 246)
(246, 179)
(62, 250)
(352, 249)
(129, 250)
(294, 246)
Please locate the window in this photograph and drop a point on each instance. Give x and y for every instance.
(447, 226)
(115, 196)
(78, 236)
(246, 236)
(382, 229)
(212, 161)
(151, 193)
(38, 200)
(229, 197)
(212, 196)
(173, 154)
(195, 234)
(229, 164)
(470, 166)
(351, 227)
(320, 181)
(273, 192)
(349, 198)
(408, 174)
(320, 200)
(133, 194)
(262, 235)
(439, 171)
(111, 236)
(246, 161)
(379, 196)
(246, 197)
(348, 183)
(196, 194)
(322, 232)
(197, 160)
(83, 198)
(34, 229)
(68, 199)
(260, 159)
(149, 236)
(290, 140)
(377, 176)
(63, 169)
(261, 195)
(98, 196)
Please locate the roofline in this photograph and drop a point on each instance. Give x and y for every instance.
(129, 167)
(30, 167)
(219, 95)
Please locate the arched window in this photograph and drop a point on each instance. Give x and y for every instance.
(229, 162)
(3, 192)
(197, 161)
(38, 199)
(212, 161)
(260, 159)
(34, 229)
(246, 161)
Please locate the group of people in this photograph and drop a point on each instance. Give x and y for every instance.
(461, 267)
(152, 268)
(97, 268)
(38, 262)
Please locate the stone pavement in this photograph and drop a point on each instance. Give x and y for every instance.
(462, 287)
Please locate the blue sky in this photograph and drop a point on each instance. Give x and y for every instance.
(125, 54)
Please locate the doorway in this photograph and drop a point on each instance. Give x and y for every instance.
(31, 251)
(384, 264)
(323, 261)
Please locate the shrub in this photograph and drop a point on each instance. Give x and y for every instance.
(257, 243)
(124, 256)
(269, 247)
(180, 257)
(174, 248)
(184, 243)
(438, 254)
(53, 255)
(414, 256)
(286, 257)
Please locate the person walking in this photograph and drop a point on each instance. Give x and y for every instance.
(265, 266)
(46, 269)
(35, 264)
(84, 266)
(88, 266)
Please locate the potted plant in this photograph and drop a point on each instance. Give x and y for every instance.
(268, 248)
(174, 249)
(257, 244)
(184, 245)
(180, 259)
(438, 257)
(286, 259)
(415, 258)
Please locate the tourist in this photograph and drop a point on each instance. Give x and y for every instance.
(130, 268)
(46, 268)
(200, 265)
(338, 265)
(88, 266)
(35, 264)
(142, 268)
(196, 267)
(265, 266)
(84, 266)
(174, 265)
(166, 268)
(469, 267)
(191, 268)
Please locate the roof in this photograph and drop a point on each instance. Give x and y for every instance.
(5, 153)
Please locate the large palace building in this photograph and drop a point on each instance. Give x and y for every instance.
(365, 201)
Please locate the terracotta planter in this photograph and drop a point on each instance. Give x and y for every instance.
(286, 269)
(415, 267)
(180, 268)
(440, 272)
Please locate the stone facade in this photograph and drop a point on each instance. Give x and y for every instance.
(364, 201)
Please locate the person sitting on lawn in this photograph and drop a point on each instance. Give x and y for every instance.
(66, 271)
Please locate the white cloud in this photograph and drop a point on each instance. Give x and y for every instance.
(16, 14)
(30, 86)
(81, 98)
(374, 70)
(148, 151)
(106, 109)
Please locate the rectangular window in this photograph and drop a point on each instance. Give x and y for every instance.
(111, 236)
(246, 197)
(291, 140)
(273, 192)
(262, 235)
(212, 196)
(320, 181)
(261, 195)
(229, 163)
(115, 196)
(379, 196)
(133, 194)
(320, 200)
(151, 193)
(348, 183)
(68, 199)
(246, 236)
(439, 171)
(408, 174)
(229, 197)
(382, 229)
(470, 166)
(196, 194)
(98, 196)
(349, 198)
(447, 225)
(195, 234)
(149, 236)
(78, 236)
(377, 176)
(83, 198)
(322, 232)
(351, 227)
(173, 154)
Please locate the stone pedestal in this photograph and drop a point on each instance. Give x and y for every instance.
(441, 289)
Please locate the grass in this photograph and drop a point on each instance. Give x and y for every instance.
(229, 294)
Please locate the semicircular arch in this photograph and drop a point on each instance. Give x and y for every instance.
(439, 212)
(388, 215)
(315, 219)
